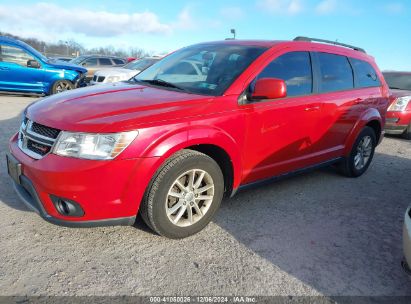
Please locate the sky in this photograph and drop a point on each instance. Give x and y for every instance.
(381, 27)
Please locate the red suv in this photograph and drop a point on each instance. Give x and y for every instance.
(198, 125)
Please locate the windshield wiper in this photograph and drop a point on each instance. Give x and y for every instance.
(161, 82)
(395, 88)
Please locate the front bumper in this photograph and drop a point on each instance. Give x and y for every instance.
(397, 122)
(406, 237)
(109, 192)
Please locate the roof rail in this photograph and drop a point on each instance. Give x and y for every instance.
(302, 38)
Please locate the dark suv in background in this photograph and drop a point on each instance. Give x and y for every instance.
(96, 62)
(399, 112)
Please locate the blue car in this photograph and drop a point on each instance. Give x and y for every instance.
(24, 69)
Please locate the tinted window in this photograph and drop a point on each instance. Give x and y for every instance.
(105, 61)
(365, 74)
(183, 67)
(14, 55)
(398, 81)
(118, 61)
(295, 69)
(336, 73)
(90, 62)
(221, 64)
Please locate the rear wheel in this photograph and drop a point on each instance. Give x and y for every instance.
(184, 195)
(61, 86)
(361, 154)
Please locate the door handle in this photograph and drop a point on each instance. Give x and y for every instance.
(358, 100)
(313, 108)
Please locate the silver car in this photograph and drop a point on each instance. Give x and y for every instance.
(123, 73)
(406, 236)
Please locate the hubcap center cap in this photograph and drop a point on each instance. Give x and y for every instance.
(189, 197)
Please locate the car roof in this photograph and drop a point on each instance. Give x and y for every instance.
(13, 40)
(397, 72)
(329, 46)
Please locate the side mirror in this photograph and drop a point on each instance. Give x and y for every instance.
(269, 88)
(33, 64)
(84, 64)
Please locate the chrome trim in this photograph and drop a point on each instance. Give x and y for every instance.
(26, 132)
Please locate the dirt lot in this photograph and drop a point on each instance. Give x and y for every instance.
(317, 233)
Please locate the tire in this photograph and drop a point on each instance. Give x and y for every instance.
(169, 198)
(61, 85)
(350, 166)
(407, 133)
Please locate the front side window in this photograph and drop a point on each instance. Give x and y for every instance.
(90, 62)
(365, 74)
(206, 69)
(336, 73)
(15, 55)
(105, 61)
(295, 69)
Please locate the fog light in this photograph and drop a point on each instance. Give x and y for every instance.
(66, 207)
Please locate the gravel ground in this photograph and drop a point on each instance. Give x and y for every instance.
(314, 234)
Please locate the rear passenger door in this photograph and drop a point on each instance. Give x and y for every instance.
(341, 104)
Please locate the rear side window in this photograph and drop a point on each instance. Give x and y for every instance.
(118, 61)
(365, 74)
(105, 61)
(336, 73)
(295, 69)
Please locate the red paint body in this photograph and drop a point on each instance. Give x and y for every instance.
(262, 139)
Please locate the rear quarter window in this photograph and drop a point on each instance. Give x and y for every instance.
(365, 75)
(335, 73)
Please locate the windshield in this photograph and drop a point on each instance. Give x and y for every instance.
(140, 64)
(206, 69)
(77, 60)
(398, 81)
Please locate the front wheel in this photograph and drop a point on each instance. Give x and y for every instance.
(61, 86)
(361, 154)
(183, 195)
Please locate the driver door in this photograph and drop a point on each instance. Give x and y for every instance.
(280, 132)
(14, 73)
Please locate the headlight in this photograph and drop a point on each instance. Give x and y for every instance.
(400, 104)
(113, 78)
(93, 146)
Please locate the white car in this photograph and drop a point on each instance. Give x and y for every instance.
(123, 73)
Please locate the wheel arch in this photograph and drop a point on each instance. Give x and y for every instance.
(371, 118)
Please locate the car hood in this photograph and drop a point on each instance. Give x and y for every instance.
(66, 65)
(114, 107)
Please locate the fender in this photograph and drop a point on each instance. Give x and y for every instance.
(369, 115)
(165, 143)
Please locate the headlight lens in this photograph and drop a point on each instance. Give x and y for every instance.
(93, 146)
(400, 104)
(113, 78)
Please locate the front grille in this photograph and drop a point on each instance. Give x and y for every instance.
(101, 79)
(45, 131)
(36, 140)
(38, 148)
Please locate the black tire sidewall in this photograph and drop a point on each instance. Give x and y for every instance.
(367, 131)
(159, 217)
